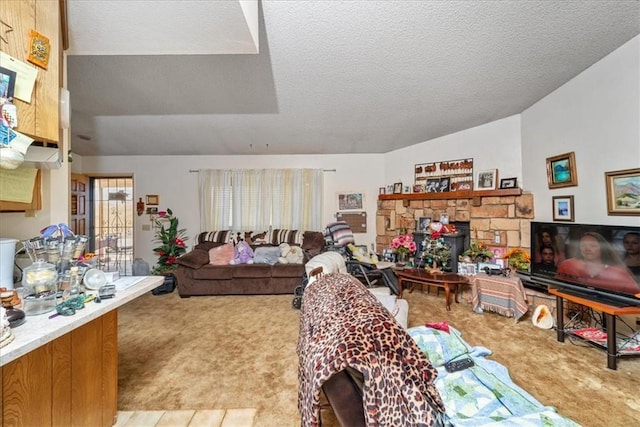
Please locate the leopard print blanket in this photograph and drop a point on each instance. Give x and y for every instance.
(343, 325)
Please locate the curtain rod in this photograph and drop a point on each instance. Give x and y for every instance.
(323, 170)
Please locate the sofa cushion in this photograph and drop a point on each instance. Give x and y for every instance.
(205, 246)
(251, 270)
(277, 236)
(214, 272)
(194, 259)
(266, 255)
(221, 255)
(287, 270)
(218, 236)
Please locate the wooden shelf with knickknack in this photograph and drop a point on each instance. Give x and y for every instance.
(464, 194)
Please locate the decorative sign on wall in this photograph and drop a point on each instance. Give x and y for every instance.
(450, 175)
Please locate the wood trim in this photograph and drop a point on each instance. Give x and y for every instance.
(452, 195)
(64, 25)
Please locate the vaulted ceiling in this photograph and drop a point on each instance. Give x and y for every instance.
(319, 77)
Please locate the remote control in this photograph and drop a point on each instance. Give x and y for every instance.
(458, 365)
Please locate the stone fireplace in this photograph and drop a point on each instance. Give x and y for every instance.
(491, 218)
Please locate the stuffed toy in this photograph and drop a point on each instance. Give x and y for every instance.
(243, 254)
(290, 254)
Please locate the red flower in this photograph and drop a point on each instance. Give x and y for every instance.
(162, 214)
(160, 252)
(178, 242)
(170, 260)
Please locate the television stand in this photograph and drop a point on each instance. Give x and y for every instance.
(610, 312)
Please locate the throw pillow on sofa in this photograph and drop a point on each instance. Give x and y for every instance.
(221, 255)
(266, 255)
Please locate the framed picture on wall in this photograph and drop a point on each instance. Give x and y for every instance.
(563, 208)
(350, 201)
(561, 171)
(623, 192)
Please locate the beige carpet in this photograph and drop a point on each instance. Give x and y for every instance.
(234, 352)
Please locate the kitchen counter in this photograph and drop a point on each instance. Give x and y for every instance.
(64, 370)
(40, 329)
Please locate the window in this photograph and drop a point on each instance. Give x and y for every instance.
(257, 199)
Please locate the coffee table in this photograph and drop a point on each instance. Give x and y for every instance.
(448, 281)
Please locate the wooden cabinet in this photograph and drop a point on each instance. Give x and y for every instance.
(39, 119)
(70, 381)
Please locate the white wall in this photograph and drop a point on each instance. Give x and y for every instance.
(169, 177)
(495, 145)
(596, 115)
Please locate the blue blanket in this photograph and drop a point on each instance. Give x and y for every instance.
(484, 394)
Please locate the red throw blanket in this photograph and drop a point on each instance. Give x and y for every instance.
(343, 325)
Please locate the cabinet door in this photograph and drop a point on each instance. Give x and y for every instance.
(26, 384)
(40, 118)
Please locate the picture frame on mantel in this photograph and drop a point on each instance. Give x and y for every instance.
(561, 171)
(487, 179)
(623, 194)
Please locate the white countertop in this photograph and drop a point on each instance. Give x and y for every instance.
(40, 329)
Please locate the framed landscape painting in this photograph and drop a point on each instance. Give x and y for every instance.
(623, 192)
(563, 208)
(561, 170)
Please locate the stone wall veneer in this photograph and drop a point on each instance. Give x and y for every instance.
(510, 216)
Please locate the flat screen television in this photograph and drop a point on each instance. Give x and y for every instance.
(595, 261)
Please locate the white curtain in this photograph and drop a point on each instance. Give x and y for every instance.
(214, 189)
(257, 199)
(301, 194)
(251, 200)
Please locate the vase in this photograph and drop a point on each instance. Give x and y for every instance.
(402, 257)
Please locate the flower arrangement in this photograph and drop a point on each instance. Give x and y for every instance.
(404, 244)
(171, 241)
(519, 259)
(478, 251)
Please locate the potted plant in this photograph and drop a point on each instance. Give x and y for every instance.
(477, 252)
(172, 245)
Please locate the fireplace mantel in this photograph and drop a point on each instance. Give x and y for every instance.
(452, 195)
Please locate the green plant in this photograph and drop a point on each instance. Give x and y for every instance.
(436, 250)
(478, 251)
(171, 241)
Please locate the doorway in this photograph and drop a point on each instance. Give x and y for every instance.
(112, 222)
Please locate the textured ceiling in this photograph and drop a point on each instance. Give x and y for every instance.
(330, 76)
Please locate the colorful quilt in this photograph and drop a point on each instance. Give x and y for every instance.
(483, 394)
(502, 295)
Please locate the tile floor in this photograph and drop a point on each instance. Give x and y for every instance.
(187, 418)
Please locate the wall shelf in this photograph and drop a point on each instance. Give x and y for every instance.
(452, 195)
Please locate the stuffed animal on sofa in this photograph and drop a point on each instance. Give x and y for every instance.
(290, 254)
(243, 254)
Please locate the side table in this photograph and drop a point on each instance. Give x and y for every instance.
(502, 295)
(610, 313)
(448, 281)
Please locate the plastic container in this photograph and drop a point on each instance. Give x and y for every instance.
(7, 254)
(39, 281)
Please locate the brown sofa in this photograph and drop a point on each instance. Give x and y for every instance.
(196, 276)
